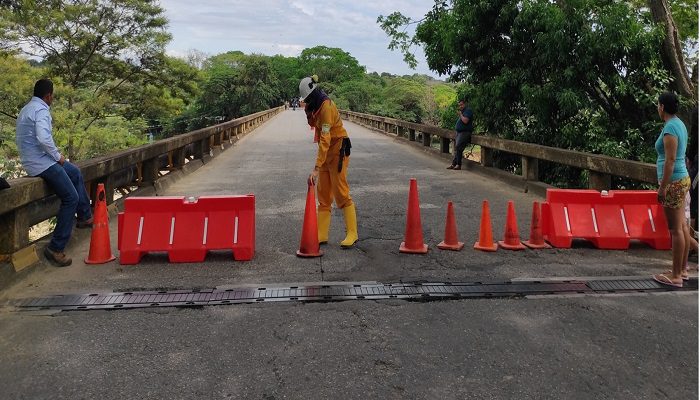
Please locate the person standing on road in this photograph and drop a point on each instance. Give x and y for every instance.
(674, 183)
(332, 161)
(41, 158)
(463, 136)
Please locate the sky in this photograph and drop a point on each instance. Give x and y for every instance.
(287, 27)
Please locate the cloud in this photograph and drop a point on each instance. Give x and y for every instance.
(286, 27)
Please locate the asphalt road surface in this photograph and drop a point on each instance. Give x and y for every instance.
(564, 347)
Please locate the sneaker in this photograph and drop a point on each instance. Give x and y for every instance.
(451, 167)
(457, 168)
(58, 258)
(84, 224)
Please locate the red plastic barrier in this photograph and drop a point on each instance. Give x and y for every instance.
(609, 221)
(186, 228)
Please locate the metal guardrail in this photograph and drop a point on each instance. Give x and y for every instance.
(29, 200)
(601, 168)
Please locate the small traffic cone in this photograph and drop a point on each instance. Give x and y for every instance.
(309, 246)
(536, 239)
(485, 242)
(413, 239)
(451, 241)
(511, 239)
(100, 248)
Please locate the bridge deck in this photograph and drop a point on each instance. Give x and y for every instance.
(273, 162)
(548, 347)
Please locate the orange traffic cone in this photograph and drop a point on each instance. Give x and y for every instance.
(413, 239)
(485, 242)
(511, 239)
(309, 246)
(536, 239)
(100, 249)
(451, 241)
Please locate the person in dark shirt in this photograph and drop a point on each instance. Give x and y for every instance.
(464, 128)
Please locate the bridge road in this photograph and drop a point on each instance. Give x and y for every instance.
(569, 347)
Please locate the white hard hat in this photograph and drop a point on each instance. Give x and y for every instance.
(307, 85)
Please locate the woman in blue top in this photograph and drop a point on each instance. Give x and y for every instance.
(674, 183)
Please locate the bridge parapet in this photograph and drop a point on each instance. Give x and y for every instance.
(29, 201)
(601, 168)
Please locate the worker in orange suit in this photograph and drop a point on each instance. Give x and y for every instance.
(332, 161)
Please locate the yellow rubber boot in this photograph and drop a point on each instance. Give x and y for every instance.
(350, 227)
(324, 224)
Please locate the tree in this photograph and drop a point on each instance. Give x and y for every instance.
(672, 48)
(332, 65)
(518, 58)
(16, 83)
(357, 95)
(577, 74)
(237, 84)
(94, 46)
(289, 74)
(196, 58)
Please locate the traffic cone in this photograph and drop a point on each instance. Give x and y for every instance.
(309, 246)
(451, 241)
(485, 242)
(413, 239)
(511, 239)
(100, 249)
(536, 239)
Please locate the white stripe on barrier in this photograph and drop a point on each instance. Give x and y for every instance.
(566, 214)
(624, 221)
(651, 219)
(172, 229)
(235, 231)
(206, 224)
(138, 240)
(595, 223)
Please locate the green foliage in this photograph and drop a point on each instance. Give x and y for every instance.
(237, 84)
(405, 99)
(356, 95)
(332, 65)
(109, 56)
(580, 74)
(289, 71)
(17, 79)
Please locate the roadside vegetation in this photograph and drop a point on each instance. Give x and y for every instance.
(576, 74)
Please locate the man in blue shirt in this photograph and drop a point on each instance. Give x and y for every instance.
(40, 157)
(464, 128)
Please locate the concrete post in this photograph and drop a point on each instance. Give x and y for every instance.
(445, 145)
(14, 232)
(486, 157)
(426, 139)
(150, 170)
(530, 168)
(599, 181)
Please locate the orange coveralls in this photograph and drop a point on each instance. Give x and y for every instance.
(331, 183)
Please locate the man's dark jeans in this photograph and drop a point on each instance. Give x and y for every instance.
(67, 181)
(462, 139)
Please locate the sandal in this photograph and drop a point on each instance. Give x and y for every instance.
(666, 280)
(684, 274)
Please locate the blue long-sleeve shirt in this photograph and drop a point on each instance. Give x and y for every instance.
(34, 139)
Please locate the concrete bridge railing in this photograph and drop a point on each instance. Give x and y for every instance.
(29, 201)
(601, 168)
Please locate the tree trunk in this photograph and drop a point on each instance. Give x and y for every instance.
(672, 52)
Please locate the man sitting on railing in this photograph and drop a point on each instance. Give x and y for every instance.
(40, 157)
(464, 128)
